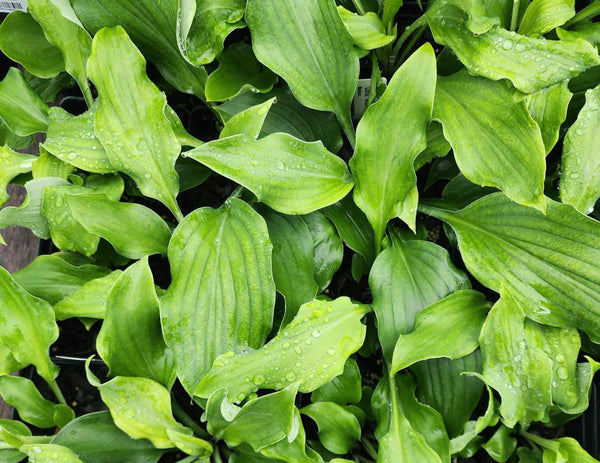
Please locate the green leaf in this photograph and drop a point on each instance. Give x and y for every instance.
(400, 420)
(130, 341)
(581, 157)
(22, 394)
(561, 450)
(13, 164)
(248, 122)
(151, 24)
(437, 145)
(501, 445)
(53, 278)
(289, 116)
(261, 422)
(238, 72)
(328, 248)
(89, 300)
(49, 453)
(548, 108)
(23, 41)
(141, 408)
(47, 165)
(72, 139)
(310, 32)
(495, 140)
(405, 279)
(21, 109)
(343, 389)
(339, 430)
(541, 16)
(473, 428)
(586, 30)
(63, 30)
(463, 310)
(460, 192)
(355, 230)
(515, 365)
(548, 263)
(130, 120)
(28, 342)
(203, 25)
(13, 140)
(442, 385)
(390, 9)
(29, 214)
(293, 260)
(222, 293)
(531, 64)
(67, 232)
(289, 175)
(49, 89)
(96, 439)
(310, 350)
(367, 31)
(383, 166)
(134, 230)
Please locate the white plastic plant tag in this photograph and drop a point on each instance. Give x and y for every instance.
(8, 6)
(361, 97)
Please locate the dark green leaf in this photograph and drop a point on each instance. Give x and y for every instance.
(21, 109)
(405, 279)
(541, 16)
(311, 32)
(238, 72)
(13, 164)
(96, 439)
(339, 430)
(130, 341)
(151, 24)
(22, 40)
(343, 389)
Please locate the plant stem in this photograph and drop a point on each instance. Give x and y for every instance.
(410, 45)
(217, 456)
(588, 12)
(369, 447)
(87, 95)
(346, 123)
(4, 446)
(190, 459)
(359, 7)
(188, 420)
(57, 392)
(515, 14)
(236, 192)
(419, 22)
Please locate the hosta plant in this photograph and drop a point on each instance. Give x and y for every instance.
(265, 270)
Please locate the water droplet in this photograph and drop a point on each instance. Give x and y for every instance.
(258, 380)
(291, 376)
(562, 373)
(507, 45)
(72, 155)
(286, 345)
(316, 333)
(560, 358)
(331, 351)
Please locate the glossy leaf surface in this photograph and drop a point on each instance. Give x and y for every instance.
(579, 184)
(238, 72)
(96, 439)
(405, 279)
(464, 310)
(151, 24)
(130, 120)
(546, 262)
(339, 429)
(310, 350)
(495, 140)
(27, 342)
(130, 341)
(289, 175)
(383, 166)
(215, 288)
(310, 32)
